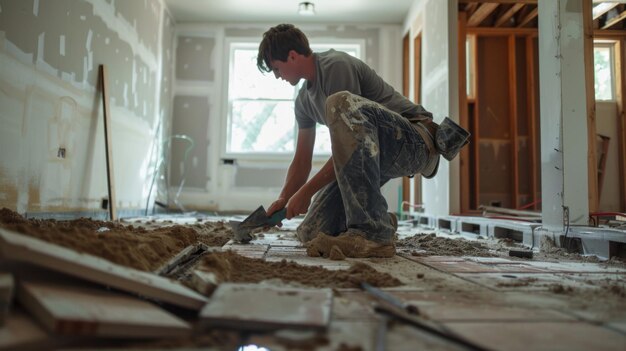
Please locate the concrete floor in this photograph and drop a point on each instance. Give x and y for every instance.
(497, 303)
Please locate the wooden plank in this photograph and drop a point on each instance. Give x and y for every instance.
(107, 143)
(532, 118)
(476, 129)
(18, 247)
(529, 17)
(417, 97)
(503, 31)
(463, 112)
(513, 122)
(22, 333)
(506, 16)
(257, 307)
(592, 165)
(80, 309)
(614, 20)
(602, 8)
(481, 13)
(406, 84)
(620, 98)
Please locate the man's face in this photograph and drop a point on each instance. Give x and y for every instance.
(286, 70)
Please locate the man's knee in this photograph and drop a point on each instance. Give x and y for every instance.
(336, 104)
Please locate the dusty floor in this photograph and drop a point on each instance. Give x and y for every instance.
(471, 288)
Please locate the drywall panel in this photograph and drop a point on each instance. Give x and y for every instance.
(51, 109)
(190, 155)
(193, 58)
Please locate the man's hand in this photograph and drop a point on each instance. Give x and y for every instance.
(277, 206)
(299, 203)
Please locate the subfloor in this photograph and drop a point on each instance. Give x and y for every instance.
(468, 290)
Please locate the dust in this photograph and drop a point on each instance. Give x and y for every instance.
(130, 246)
(517, 283)
(231, 267)
(439, 246)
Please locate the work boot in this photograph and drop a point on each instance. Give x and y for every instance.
(450, 138)
(351, 243)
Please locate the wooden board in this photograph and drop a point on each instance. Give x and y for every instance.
(21, 332)
(80, 309)
(256, 307)
(18, 247)
(108, 144)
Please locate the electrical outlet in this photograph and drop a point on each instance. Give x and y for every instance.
(104, 204)
(61, 152)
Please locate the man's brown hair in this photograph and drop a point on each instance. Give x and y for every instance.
(277, 42)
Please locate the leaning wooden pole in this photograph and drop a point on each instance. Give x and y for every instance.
(107, 142)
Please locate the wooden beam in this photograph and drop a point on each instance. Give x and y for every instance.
(503, 31)
(603, 8)
(592, 165)
(470, 8)
(406, 64)
(508, 14)
(108, 145)
(483, 11)
(615, 20)
(463, 118)
(620, 97)
(608, 34)
(417, 97)
(529, 17)
(513, 122)
(532, 118)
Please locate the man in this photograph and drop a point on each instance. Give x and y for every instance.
(376, 134)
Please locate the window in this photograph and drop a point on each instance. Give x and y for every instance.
(603, 67)
(260, 107)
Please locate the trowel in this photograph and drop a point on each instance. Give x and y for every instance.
(257, 219)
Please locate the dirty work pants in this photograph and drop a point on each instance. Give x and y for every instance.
(370, 145)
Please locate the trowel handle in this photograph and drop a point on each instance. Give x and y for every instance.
(277, 216)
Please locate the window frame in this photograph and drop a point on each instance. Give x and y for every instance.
(611, 45)
(233, 43)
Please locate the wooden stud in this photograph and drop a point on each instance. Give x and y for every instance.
(508, 14)
(406, 64)
(476, 130)
(499, 1)
(479, 15)
(592, 166)
(513, 122)
(504, 31)
(615, 20)
(620, 98)
(603, 8)
(529, 17)
(417, 97)
(532, 118)
(463, 115)
(107, 143)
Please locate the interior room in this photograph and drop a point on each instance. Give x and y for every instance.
(150, 193)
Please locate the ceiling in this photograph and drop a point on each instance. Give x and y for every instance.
(285, 11)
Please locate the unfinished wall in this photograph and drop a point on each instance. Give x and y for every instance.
(200, 110)
(52, 157)
(607, 125)
(436, 20)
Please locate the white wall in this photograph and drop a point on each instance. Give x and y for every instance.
(436, 20)
(49, 100)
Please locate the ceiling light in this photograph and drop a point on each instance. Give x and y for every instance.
(306, 9)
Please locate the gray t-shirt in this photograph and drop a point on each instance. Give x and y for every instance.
(337, 71)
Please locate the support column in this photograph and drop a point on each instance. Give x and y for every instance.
(564, 141)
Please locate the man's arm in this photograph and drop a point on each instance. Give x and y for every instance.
(298, 171)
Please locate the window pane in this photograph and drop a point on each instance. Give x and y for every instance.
(262, 127)
(322, 140)
(248, 82)
(603, 74)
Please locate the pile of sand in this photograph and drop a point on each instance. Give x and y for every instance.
(231, 267)
(439, 246)
(130, 246)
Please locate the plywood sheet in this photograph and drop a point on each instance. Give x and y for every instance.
(78, 309)
(257, 307)
(20, 332)
(14, 246)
